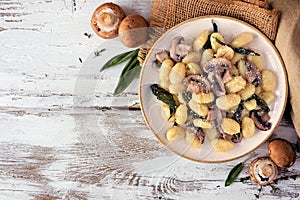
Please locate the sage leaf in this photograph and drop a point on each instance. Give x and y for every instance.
(207, 44)
(215, 27)
(120, 58)
(164, 96)
(245, 51)
(261, 103)
(234, 173)
(127, 76)
(237, 115)
(130, 65)
(239, 50)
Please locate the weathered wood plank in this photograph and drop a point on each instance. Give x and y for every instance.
(117, 155)
(65, 136)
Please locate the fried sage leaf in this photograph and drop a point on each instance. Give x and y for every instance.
(233, 174)
(164, 96)
(207, 44)
(237, 115)
(239, 50)
(120, 58)
(260, 102)
(130, 71)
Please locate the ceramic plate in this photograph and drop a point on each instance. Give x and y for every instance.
(228, 27)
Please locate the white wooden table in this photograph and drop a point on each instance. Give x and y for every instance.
(55, 144)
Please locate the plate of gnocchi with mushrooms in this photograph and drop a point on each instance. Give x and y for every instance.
(213, 89)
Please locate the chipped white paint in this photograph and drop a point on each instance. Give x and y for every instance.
(57, 144)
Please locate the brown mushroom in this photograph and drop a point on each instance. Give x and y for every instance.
(133, 30)
(282, 153)
(263, 171)
(106, 19)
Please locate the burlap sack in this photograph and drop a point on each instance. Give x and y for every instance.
(167, 13)
(288, 44)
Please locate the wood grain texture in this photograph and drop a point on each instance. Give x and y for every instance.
(63, 135)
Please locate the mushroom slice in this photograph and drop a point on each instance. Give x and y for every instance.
(217, 83)
(260, 119)
(263, 171)
(161, 56)
(216, 115)
(196, 84)
(196, 132)
(178, 49)
(235, 138)
(219, 64)
(253, 75)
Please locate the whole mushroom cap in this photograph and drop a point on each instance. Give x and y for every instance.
(263, 171)
(106, 20)
(132, 30)
(282, 153)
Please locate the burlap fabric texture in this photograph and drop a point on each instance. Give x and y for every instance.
(167, 13)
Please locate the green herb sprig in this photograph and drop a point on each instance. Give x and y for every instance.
(120, 58)
(129, 72)
(235, 171)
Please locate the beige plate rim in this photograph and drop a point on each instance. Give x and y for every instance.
(214, 17)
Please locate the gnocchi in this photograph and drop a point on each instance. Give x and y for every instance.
(268, 81)
(165, 70)
(177, 73)
(230, 126)
(181, 114)
(213, 40)
(241, 40)
(221, 145)
(203, 98)
(228, 101)
(212, 92)
(225, 52)
(193, 68)
(257, 61)
(236, 84)
(192, 57)
(202, 123)
(247, 92)
(174, 133)
(248, 127)
(200, 109)
(250, 105)
(206, 56)
(200, 40)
